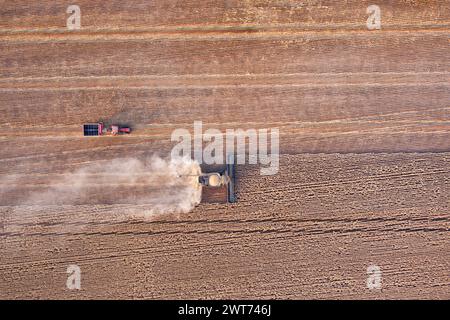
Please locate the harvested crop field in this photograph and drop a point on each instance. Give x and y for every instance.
(364, 172)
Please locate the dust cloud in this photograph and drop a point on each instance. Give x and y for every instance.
(163, 186)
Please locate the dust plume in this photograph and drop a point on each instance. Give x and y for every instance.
(163, 186)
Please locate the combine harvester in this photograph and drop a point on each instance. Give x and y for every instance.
(98, 129)
(217, 180)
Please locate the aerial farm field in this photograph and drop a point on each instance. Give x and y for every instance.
(364, 141)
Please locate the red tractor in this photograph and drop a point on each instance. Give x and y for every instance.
(98, 129)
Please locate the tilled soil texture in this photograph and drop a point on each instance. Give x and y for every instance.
(309, 232)
(364, 122)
